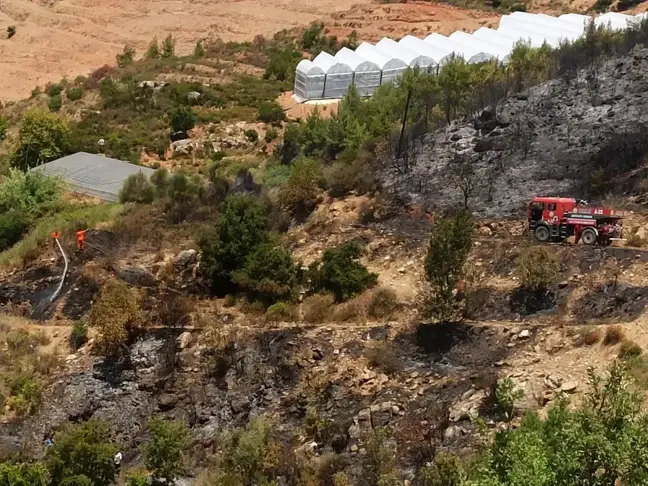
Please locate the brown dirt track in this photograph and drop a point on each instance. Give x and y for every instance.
(71, 37)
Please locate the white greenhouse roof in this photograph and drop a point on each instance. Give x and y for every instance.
(308, 68)
(384, 61)
(439, 54)
(469, 53)
(411, 58)
(495, 37)
(568, 30)
(330, 65)
(614, 20)
(499, 52)
(512, 24)
(577, 19)
(354, 61)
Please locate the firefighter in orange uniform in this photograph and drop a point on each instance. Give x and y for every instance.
(80, 239)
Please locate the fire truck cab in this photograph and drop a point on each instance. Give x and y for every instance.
(554, 219)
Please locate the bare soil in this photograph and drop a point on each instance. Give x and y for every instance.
(72, 37)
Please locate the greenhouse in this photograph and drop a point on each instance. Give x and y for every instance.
(484, 47)
(495, 37)
(470, 54)
(366, 74)
(412, 58)
(369, 66)
(337, 75)
(309, 81)
(392, 68)
(438, 54)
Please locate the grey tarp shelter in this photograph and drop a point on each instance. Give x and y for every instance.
(95, 175)
(309, 80)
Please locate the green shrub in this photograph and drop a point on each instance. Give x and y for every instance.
(4, 127)
(53, 89)
(168, 47)
(74, 93)
(271, 112)
(55, 103)
(243, 226)
(506, 394)
(11, 31)
(270, 135)
(299, 194)
(126, 57)
(23, 474)
(269, 274)
(282, 63)
(247, 455)
(82, 450)
(13, 225)
(289, 148)
(153, 51)
(318, 308)
(340, 273)
(26, 394)
(183, 119)
(79, 334)
(163, 452)
(281, 312)
(31, 193)
(629, 349)
(199, 50)
(138, 189)
(450, 244)
(116, 315)
(251, 135)
(137, 479)
(537, 268)
(43, 137)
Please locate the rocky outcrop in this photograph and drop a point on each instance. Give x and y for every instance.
(549, 140)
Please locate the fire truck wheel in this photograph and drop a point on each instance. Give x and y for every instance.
(541, 234)
(589, 236)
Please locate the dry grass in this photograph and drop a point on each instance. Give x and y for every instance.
(383, 304)
(613, 335)
(382, 356)
(590, 337)
(355, 310)
(635, 240)
(318, 308)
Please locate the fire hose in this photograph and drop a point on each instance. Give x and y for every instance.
(65, 269)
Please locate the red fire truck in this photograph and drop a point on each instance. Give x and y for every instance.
(554, 219)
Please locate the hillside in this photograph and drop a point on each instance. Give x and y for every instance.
(350, 298)
(65, 39)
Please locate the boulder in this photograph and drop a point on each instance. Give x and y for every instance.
(186, 258)
(569, 386)
(137, 275)
(184, 340)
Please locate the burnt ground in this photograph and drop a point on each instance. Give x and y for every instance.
(551, 140)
